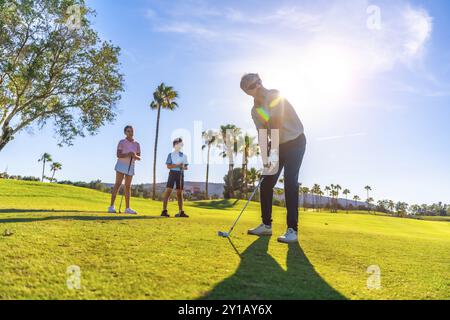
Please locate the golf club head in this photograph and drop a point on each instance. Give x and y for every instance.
(223, 234)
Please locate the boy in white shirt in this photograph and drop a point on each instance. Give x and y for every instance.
(177, 163)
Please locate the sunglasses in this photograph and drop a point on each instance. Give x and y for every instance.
(254, 85)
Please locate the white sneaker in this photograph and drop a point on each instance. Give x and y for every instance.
(112, 210)
(130, 211)
(289, 237)
(262, 230)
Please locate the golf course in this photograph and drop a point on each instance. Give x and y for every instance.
(46, 228)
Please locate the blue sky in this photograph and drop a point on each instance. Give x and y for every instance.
(373, 93)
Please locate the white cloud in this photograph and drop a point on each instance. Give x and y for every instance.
(283, 40)
(185, 28)
(419, 25)
(344, 136)
(402, 38)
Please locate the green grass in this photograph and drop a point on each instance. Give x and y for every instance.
(145, 257)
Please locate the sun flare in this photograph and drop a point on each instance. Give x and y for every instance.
(320, 75)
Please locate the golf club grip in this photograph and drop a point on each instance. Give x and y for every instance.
(246, 205)
(129, 166)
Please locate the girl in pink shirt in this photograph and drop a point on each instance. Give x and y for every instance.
(128, 152)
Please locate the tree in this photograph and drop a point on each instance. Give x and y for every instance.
(234, 183)
(305, 192)
(368, 188)
(382, 205)
(209, 139)
(370, 200)
(315, 191)
(334, 195)
(327, 190)
(402, 208)
(229, 141)
(163, 99)
(336, 188)
(391, 206)
(52, 70)
(356, 198)
(415, 209)
(253, 176)
(321, 193)
(249, 149)
(44, 159)
(346, 192)
(56, 166)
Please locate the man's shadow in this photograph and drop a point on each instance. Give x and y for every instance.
(259, 276)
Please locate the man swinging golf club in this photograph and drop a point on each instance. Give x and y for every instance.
(277, 118)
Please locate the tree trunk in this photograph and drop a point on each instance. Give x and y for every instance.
(43, 170)
(53, 175)
(6, 136)
(230, 179)
(207, 173)
(3, 143)
(368, 204)
(155, 153)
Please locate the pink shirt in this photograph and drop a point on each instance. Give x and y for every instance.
(126, 146)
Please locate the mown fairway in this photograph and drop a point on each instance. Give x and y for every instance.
(145, 257)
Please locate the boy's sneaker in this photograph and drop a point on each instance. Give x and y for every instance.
(165, 214)
(261, 230)
(112, 210)
(181, 215)
(130, 211)
(289, 237)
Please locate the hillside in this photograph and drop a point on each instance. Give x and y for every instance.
(144, 257)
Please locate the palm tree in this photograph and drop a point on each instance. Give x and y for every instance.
(391, 206)
(252, 177)
(327, 189)
(321, 194)
(163, 98)
(56, 166)
(337, 188)
(249, 149)
(402, 208)
(304, 191)
(346, 192)
(209, 138)
(369, 202)
(315, 192)
(356, 199)
(368, 188)
(229, 142)
(44, 159)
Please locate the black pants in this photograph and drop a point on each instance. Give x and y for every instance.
(290, 159)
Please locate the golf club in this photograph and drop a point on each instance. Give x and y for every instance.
(228, 234)
(182, 182)
(128, 172)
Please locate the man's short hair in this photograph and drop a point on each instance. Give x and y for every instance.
(248, 79)
(126, 128)
(177, 141)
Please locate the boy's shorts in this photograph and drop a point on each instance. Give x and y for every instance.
(174, 179)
